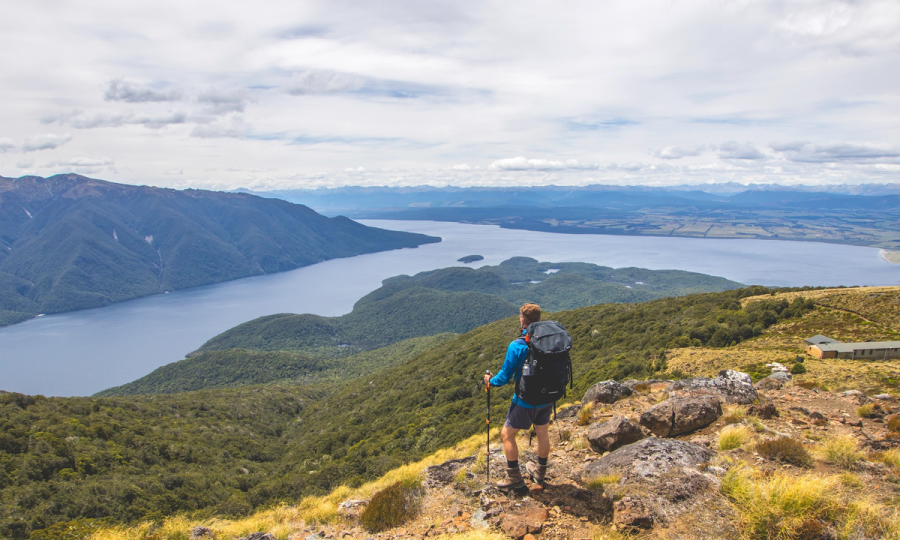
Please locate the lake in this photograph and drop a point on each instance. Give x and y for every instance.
(83, 352)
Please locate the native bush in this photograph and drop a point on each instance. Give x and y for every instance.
(798, 369)
(787, 450)
(392, 507)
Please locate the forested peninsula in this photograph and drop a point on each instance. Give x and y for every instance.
(69, 242)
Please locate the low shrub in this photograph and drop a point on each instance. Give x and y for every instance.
(840, 451)
(641, 388)
(734, 436)
(392, 507)
(798, 369)
(809, 385)
(891, 458)
(785, 449)
(565, 435)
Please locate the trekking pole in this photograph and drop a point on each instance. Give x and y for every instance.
(487, 460)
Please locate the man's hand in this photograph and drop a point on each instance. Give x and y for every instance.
(487, 378)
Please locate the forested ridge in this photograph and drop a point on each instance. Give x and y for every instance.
(69, 242)
(229, 451)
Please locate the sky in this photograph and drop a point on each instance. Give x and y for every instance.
(307, 93)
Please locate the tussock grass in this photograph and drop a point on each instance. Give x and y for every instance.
(734, 436)
(783, 506)
(842, 451)
(809, 385)
(865, 411)
(787, 450)
(891, 458)
(284, 520)
(734, 414)
(893, 425)
(600, 482)
(584, 415)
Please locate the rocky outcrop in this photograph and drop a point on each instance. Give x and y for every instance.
(614, 434)
(443, 474)
(774, 381)
(528, 521)
(629, 513)
(606, 392)
(765, 410)
(679, 415)
(730, 387)
(649, 458)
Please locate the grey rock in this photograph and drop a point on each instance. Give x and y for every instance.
(478, 520)
(730, 387)
(765, 410)
(614, 434)
(885, 397)
(648, 458)
(443, 474)
(852, 393)
(782, 375)
(769, 383)
(606, 392)
(259, 536)
(568, 412)
(679, 415)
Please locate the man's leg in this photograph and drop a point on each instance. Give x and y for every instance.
(543, 437)
(510, 448)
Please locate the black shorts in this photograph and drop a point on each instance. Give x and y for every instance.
(520, 417)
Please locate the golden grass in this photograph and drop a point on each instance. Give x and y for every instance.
(734, 414)
(734, 436)
(781, 506)
(281, 521)
(600, 482)
(865, 411)
(891, 458)
(584, 415)
(841, 451)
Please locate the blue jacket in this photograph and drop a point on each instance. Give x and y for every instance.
(516, 354)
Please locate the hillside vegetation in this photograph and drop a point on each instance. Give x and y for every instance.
(458, 299)
(68, 242)
(848, 315)
(232, 450)
(241, 367)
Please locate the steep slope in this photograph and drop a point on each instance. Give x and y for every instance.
(69, 242)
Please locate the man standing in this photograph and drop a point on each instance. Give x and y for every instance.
(522, 415)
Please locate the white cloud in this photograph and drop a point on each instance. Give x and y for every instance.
(224, 101)
(735, 150)
(461, 167)
(133, 92)
(323, 81)
(7, 145)
(81, 162)
(234, 128)
(25, 163)
(522, 164)
(678, 152)
(174, 172)
(806, 152)
(47, 141)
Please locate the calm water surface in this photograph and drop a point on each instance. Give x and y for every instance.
(83, 352)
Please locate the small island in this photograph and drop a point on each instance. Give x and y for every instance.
(470, 258)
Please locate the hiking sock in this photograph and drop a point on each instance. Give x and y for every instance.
(542, 461)
(512, 464)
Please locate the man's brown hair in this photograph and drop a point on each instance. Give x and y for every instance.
(531, 313)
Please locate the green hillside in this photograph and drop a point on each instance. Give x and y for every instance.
(240, 367)
(229, 451)
(457, 299)
(69, 242)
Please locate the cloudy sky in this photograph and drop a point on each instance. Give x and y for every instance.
(307, 93)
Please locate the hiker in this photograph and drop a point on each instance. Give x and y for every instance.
(522, 415)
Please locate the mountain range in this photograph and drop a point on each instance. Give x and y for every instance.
(69, 242)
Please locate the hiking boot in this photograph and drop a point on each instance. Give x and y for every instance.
(513, 480)
(537, 472)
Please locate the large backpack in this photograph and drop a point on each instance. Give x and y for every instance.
(548, 368)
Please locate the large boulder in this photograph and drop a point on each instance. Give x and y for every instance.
(730, 387)
(606, 392)
(679, 415)
(614, 434)
(774, 381)
(649, 458)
